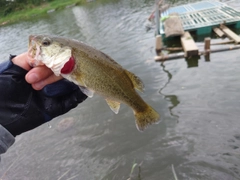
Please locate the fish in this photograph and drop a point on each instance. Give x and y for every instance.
(94, 72)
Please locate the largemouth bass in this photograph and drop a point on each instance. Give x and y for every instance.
(93, 71)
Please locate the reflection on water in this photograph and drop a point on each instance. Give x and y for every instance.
(172, 98)
(192, 61)
(199, 107)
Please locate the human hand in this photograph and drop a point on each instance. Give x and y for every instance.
(39, 76)
(23, 106)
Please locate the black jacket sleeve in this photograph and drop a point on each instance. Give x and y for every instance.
(22, 108)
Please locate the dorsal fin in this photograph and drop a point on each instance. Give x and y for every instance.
(137, 82)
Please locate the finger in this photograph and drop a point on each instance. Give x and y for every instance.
(21, 60)
(38, 74)
(49, 80)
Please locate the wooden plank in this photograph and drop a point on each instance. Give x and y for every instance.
(207, 42)
(173, 25)
(158, 44)
(169, 56)
(218, 32)
(230, 33)
(181, 54)
(189, 46)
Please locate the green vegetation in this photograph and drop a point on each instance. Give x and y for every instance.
(14, 11)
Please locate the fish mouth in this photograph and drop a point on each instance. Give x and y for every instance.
(34, 51)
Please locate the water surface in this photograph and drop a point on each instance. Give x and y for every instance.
(199, 105)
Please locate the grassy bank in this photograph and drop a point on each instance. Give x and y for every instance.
(30, 12)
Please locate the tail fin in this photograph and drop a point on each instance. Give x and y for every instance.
(145, 118)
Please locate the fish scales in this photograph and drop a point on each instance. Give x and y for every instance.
(114, 89)
(106, 72)
(93, 71)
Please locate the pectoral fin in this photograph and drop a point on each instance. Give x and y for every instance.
(114, 106)
(87, 91)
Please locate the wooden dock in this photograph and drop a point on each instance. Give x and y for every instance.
(202, 16)
(230, 33)
(197, 18)
(189, 46)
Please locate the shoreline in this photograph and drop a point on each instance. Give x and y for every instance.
(38, 11)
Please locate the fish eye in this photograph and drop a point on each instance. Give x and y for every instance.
(46, 41)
